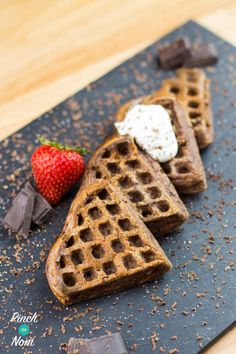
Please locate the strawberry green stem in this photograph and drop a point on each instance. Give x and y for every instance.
(56, 144)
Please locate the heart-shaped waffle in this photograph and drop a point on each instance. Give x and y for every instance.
(104, 247)
(141, 180)
(185, 170)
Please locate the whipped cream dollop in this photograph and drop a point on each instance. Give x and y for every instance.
(151, 127)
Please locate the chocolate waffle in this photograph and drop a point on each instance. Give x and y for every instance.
(141, 180)
(104, 247)
(192, 89)
(185, 170)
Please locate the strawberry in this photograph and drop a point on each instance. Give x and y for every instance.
(56, 168)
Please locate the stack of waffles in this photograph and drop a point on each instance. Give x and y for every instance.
(126, 197)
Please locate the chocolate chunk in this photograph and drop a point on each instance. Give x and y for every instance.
(18, 218)
(41, 209)
(78, 346)
(109, 344)
(202, 55)
(28, 206)
(41, 206)
(174, 54)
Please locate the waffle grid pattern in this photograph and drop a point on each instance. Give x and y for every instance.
(192, 88)
(183, 164)
(107, 244)
(136, 179)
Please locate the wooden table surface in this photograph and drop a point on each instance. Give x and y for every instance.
(50, 49)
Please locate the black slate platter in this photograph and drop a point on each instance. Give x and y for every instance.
(198, 295)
